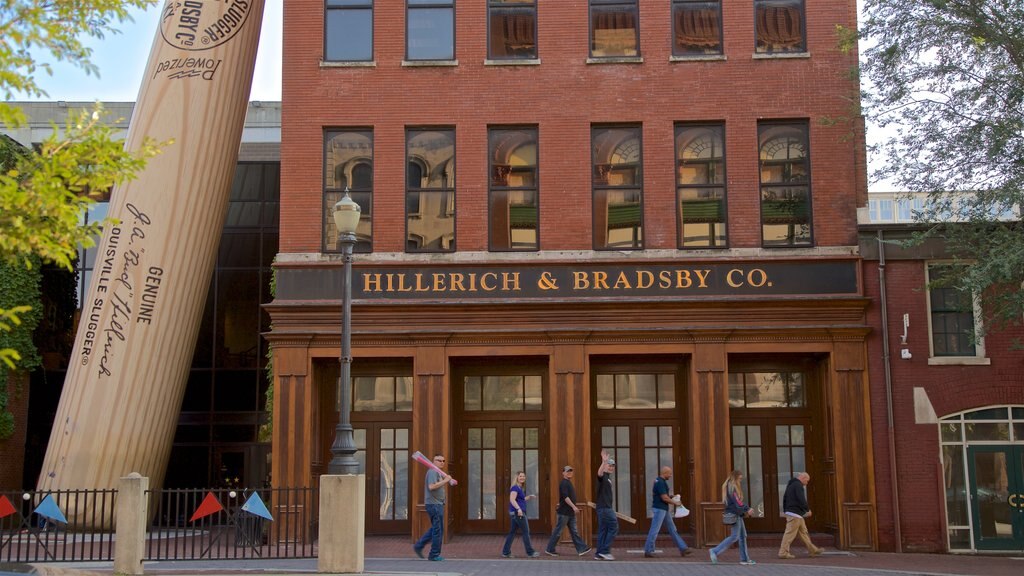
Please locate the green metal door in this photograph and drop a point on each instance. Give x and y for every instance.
(997, 496)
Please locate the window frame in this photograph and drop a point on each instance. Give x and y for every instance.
(675, 32)
(592, 4)
(804, 126)
(767, 52)
(520, 6)
(492, 189)
(596, 187)
(449, 189)
(724, 186)
(412, 6)
(366, 213)
(979, 356)
(349, 6)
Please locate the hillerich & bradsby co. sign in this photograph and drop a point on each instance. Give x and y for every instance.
(607, 280)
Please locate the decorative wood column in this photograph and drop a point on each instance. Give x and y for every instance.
(851, 432)
(568, 414)
(293, 442)
(431, 428)
(710, 448)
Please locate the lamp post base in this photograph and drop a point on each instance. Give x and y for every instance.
(342, 543)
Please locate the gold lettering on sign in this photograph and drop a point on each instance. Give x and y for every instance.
(483, 281)
(644, 279)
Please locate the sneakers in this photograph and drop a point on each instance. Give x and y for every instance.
(584, 552)
(648, 554)
(788, 556)
(418, 551)
(605, 556)
(550, 553)
(534, 554)
(816, 552)
(503, 555)
(714, 557)
(685, 552)
(748, 562)
(437, 559)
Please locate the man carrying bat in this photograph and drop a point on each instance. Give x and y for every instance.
(433, 499)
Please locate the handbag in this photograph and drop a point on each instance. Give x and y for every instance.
(729, 518)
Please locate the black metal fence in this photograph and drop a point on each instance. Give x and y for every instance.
(231, 524)
(57, 526)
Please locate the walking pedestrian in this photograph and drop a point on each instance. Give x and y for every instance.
(566, 513)
(607, 522)
(735, 511)
(660, 501)
(794, 505)
(433, 500)
(518, 522)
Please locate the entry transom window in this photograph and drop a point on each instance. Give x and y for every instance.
(700, 186)
(696, 27)
(635, 391)
(511, 29)
(766, 390)
(519, 393)
(348, 166)
(785, 184)
(614, 28)
(780, 27)
(382, 394)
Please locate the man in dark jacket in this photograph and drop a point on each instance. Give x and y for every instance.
(794, 504)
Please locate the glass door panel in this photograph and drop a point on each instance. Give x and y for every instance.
(524, 454)
(748, 456)
(997, 494)
(616, 440)
(481, 471)
(387, 483)
(790, 458)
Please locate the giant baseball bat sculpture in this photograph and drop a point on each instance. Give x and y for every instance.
(419, 457)
(123, 390)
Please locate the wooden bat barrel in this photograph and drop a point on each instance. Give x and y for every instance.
(130, 362)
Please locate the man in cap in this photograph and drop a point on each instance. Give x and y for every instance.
(566, 512)
(607, 522)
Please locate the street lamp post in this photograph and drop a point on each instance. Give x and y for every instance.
(346, 219)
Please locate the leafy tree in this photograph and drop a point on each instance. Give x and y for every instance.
(945, 83)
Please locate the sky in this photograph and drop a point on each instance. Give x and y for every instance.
(121, 59)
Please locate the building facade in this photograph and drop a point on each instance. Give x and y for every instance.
(947, 398)
(613, 225)
(222, 438)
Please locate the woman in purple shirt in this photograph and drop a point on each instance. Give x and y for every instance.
(517, 498)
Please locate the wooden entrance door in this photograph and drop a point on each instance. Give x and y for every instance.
(769, 451)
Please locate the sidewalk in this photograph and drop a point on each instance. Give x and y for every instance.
(472, 555)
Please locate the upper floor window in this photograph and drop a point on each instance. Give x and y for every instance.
(952, 314)
(700, 185)
(511, 29)
(696, 27)
(348, 165)
(430, 30)
(617, 187)
(430, 190)
(779, 27)
(880, 209)
(785, 184)
(348, 31)
(614, 28)
(513, 188)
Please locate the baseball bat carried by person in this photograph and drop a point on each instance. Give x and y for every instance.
(419, 457)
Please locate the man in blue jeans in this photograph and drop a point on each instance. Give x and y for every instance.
(433, 500)
(566, 512)
(659, 508)
(607, 522)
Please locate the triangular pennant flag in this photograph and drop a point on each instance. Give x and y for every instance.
(6, 508)
(209, 506)
(254, 505)
(48, 509)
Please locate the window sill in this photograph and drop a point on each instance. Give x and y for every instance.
(520, 62)
(348, 64)
(429, 63)
(782, 56)
(616, 60)
(959, 361)
(699, 58)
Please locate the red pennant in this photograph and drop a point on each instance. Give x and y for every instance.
(209, 506)
(6, 508)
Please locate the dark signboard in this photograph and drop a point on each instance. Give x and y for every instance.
(562, 281)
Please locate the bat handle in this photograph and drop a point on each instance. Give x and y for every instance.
(453, 481)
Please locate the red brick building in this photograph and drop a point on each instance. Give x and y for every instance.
(594, 225)
(947, 410)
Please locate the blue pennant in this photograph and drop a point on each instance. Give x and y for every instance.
(254, 505)
(48, 509)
